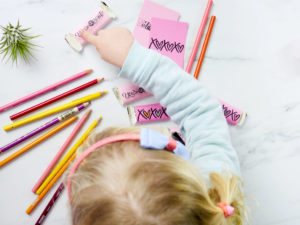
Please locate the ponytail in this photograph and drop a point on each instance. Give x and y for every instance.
(228, 199)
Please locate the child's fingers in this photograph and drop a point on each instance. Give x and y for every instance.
(91, 38)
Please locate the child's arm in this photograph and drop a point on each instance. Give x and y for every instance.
(188, 103)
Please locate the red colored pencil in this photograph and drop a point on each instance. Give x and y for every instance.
(56, 98)
(50, 204)
(204, 46)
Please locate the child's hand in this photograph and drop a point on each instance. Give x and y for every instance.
(112, 44)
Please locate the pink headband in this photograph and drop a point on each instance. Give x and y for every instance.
(148, 139)
(227, 209)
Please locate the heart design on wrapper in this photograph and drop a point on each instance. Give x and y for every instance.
(91, 23)
(235, 117)
(141, 90)
(147, 114)
(154, 113)
(158, 113)
(227, 112)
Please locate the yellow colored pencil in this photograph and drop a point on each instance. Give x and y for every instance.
(67, 156)
(49, 186)
(38, 140)
(54, 110)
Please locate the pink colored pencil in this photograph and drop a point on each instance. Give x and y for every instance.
(61, 151)
(198, 38)
(56, 98)
(45, 90)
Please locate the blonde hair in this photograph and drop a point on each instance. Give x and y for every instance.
(122, 183)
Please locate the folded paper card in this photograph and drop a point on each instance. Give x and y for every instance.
(168, 37)
(149, 10)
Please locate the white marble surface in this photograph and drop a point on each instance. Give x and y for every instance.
(252, 62)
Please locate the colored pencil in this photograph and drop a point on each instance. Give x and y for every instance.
(199, 35)
(45, 90)
(37, 141)
(67, 156)
(204, 47)
(45, 126)
(50, 204)
(197, 71)
(62, 150)
(56, 98)
(49, 186)
(53, 110)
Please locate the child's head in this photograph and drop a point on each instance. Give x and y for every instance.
(123, 183)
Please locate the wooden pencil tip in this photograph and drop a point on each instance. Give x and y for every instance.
(100, 79)
(88, 112)
(100, 118)
(89, 70)
(29, 210)
(103, 92)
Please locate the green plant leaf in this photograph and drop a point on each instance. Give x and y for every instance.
(16, 43)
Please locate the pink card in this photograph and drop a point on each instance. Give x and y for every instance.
(147, 113)
(143, 26)
(130, 93)
(168, 37)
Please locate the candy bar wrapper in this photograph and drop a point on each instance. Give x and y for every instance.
(234, 116)
(147, 113)
(130, 93)
(97, 20)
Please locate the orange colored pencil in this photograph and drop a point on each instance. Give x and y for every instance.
(204, 46)
(49, 186)
(38, 140)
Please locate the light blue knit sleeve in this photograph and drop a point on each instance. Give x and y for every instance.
(189, 104)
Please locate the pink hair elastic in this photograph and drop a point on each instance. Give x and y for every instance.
(149, 139)
(227, 209)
